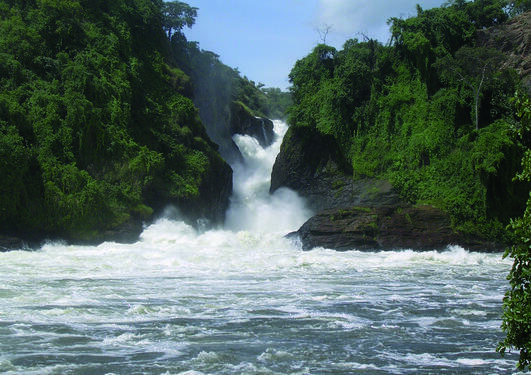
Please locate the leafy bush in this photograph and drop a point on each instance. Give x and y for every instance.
(517, 301)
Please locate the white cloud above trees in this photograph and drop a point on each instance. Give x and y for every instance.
(353, 18)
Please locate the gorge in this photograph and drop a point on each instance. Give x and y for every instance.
(155, 219)
(245, 299)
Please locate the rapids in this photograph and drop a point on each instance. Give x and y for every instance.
(245, 300)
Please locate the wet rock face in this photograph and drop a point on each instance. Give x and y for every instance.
(310, 164)
(421, 228)
(244, 123)
(8, 243)
(233, 118)
(214, 196)
(215, 192)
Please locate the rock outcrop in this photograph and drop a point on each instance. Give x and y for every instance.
(513, 38)
(214, 193)
(385, 228)
(243, 122)
(310, 163)
(361, 214)
(225, 119)
(9, 243)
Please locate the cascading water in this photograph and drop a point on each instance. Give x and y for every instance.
(244, 300)
(253, 208)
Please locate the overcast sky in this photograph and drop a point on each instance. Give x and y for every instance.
(264, 38)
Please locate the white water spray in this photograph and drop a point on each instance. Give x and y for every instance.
(245, 300)
(252, 207)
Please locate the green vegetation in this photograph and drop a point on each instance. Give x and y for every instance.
(431, 113)
(217, 85)
(94, 122)
(517, 301)
(278, 102)
(97, 123)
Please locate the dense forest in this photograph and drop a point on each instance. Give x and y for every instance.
(97, 118)
(432, 112)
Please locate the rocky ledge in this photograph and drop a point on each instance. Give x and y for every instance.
(421, 228)
(243, 122)
(8, 243)
(357, 213)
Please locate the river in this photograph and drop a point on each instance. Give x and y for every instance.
(244, 300)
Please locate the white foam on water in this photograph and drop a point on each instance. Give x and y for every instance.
(180, 294)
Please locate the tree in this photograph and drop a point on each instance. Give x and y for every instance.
(487, 13)
(474, 67)
(323, 33)
(176, 15)
(433, 34)
(309, 71)
(517, 302)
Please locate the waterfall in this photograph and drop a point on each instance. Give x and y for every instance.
(246, 300)
(252, 207)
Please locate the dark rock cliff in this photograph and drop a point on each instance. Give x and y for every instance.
(310, 164)
(214, 193)
(224, 120)
(386, 228)
(361, 214)
(243, 122)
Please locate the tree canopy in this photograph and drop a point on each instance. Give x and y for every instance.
(475, 66)
(97, 119)
(95, 124)
(176, 15)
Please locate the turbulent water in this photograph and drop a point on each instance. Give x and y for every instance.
(244, 300)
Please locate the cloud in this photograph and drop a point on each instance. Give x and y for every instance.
(352, 17)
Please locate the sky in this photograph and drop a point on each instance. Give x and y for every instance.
(264, 38)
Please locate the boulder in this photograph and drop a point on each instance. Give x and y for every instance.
(9, 243)
(421, 228)
(127, 232)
